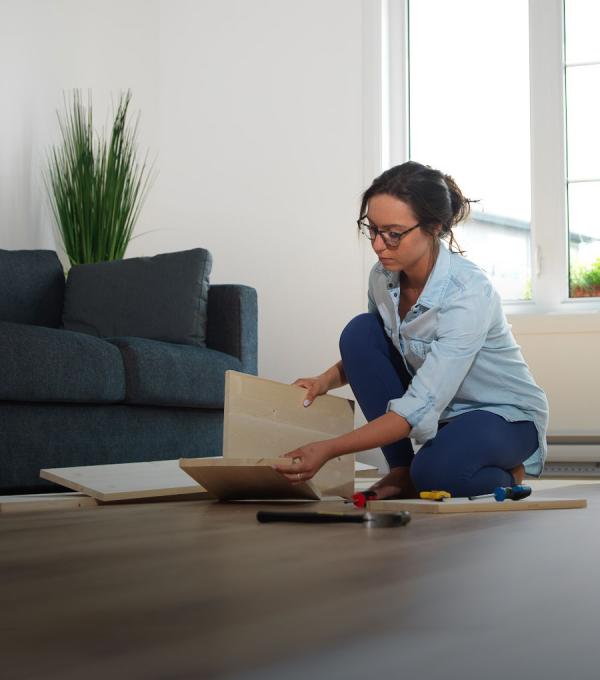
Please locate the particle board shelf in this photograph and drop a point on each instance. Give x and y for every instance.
(267, 419)
(41, 502)
(458, 505)
(247, 479)
(128, 481)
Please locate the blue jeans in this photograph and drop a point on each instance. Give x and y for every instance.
(471, 454)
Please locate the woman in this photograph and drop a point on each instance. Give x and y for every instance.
(434, 359)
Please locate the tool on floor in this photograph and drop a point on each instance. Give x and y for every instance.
(501, 493)
(376, 520)
(435, 495)
(361, 498)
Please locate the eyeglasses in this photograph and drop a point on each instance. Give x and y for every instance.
(390, 238)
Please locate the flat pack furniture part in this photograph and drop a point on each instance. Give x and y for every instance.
(128, 481)
(267, 419)
(41, 502)
(456, 505)
(366, 471)
(247, 479)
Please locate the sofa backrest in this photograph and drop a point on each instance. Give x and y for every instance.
(32, 286)
(163, 297)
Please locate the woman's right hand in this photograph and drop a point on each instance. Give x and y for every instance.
(314, 387)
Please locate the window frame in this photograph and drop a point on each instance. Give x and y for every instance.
(386, 127)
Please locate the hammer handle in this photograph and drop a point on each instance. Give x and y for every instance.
(308, 517)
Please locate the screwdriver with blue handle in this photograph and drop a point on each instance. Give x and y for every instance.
(501, 493)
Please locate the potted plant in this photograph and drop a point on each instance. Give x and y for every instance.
(585, 282)
(96, 185)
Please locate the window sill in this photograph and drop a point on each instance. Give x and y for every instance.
(575, 320)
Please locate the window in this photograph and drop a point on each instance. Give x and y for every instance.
(469, 117)
(504, 95)
(582, 80)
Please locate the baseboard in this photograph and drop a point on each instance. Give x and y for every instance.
(558, 469)
(573, 455)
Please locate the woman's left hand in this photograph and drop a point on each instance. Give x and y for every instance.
(305, 461)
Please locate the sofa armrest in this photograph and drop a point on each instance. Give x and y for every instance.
(233, 323)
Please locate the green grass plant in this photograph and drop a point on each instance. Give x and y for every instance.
(96, 185)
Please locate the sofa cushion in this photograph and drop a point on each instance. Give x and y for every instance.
(165, 374)
(49, 364)
(161, 298)
(32, 284)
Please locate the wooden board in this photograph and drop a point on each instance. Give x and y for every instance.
(266, 419)
(127, 481)
(364, 470)
(246, 479)
(35, 502)
(456, 505)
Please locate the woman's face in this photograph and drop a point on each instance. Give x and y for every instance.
(388, 213)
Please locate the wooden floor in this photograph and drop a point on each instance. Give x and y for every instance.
(194, 589)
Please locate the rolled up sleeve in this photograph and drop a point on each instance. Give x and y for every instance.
(463, 325)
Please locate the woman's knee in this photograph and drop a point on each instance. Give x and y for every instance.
(358, 332)
(426, 475)
(431, 472)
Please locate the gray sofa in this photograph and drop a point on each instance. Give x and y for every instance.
(123, 362)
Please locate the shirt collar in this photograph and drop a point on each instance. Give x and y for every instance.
(437, 282)
(438, 279)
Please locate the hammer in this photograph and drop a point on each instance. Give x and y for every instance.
(376, 520)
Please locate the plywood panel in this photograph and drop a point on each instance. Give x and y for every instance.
(246, 479)
(127, 481)
(38, 502)
(264, 418)
(455, 505)
(364, 470)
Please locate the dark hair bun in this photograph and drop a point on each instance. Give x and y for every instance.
(461, 207)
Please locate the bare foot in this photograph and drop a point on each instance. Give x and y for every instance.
(396, 484)
(518, 473)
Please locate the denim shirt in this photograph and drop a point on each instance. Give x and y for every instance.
(458, 347)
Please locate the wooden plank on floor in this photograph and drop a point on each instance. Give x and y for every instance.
(41, 502)
(266, 419)
(457, 505)
(246, 479)
(364, 470)
(128, 481)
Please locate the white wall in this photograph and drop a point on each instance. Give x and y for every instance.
(48, 47)
(260, 161)
(561, 351)
(253, 111)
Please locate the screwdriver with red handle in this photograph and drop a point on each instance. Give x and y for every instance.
(513, 493)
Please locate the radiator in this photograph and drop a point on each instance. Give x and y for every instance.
(573, 456)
